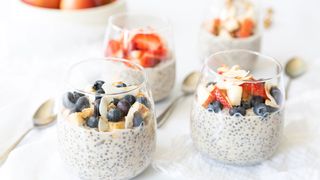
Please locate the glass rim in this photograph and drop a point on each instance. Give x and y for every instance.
(207, 59)
(105, 59)
(115, 16)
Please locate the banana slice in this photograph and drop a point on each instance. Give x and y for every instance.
(234, 94)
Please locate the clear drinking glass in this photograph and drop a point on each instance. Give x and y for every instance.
(107, 123)
(146, 40)
(237, 115)
(230, 24)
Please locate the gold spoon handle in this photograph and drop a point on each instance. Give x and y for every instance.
(168, 111)
(4, 155)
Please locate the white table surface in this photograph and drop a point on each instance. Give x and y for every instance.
(39, 69)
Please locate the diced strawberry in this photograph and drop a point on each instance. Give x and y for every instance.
(253, 89)
(205, 95)
(216, 26)
(246, 28)
(148, 60)
(221, 96)
(146, 42)
(114, 48)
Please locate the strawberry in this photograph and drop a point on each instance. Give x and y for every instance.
(205, 95)
(216, 26)
(146, 42)
(246, 28)
(253, 89)
(148, 60)
(221, 96)
(114, 49)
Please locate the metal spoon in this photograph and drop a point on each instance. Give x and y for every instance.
(189, 86)
(294, 68)
(41, 118)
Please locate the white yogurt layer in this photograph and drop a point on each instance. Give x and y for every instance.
(120, 154)
(243, 140)
(162, 78)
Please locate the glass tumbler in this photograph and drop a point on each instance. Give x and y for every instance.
(106, 128)
(148, 41)
(237, 114)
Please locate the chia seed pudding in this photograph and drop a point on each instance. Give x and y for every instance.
(103, 136)
(149, 49)
(235, 121)
(233, 26)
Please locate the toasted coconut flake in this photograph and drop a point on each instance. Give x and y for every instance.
(116, 125)
(87, 112)
(103, 125)
(270, 101)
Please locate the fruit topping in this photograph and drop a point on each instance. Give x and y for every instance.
(215, 106)
(143, 100)
(136, 107)
(276, 94)
(220, 95)
(146, 42)
(82, 102)
(130, 98)
(114, 49)
(97, 85)
(103, 125)
(246, 104)
(68, 100)
(124, 106)
(261, 109)
(256, 100)
(116, 125)
(137, 119)
(234, 93)
(237, 111)
(93, 121)
(100, 91)
(253, 89)
(114, 115)
(96, 105)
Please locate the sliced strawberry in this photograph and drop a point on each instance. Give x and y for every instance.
(221, 96)
(114, 48)
(148, 60)
(246, 29)
(146, 42)
(216, 26)
(253, 89)
(205, 95)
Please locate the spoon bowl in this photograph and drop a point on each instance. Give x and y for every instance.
(43, 117)
(294, 68)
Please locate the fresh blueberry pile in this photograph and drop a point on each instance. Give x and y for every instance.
(118, 108)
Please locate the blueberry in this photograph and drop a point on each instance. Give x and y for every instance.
(82, 103)
(77, 95)
(124, 106)
(137, 119)
(276, 94)
(130, 98)
(261, 109)
(215, 106)
(143, 100)
(100, 91)
(121, 85)
(68, 100)
(256, 100)
(237, 111)
(93, 122)
(96, 107)
(210, 83)
(98, 85)
(114, 115)
(246, 104)
(97, 97)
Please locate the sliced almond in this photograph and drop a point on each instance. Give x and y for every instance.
(87, 112)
